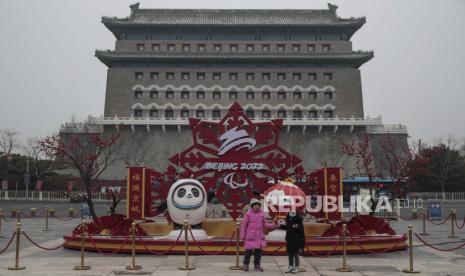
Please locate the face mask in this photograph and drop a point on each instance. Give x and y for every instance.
(292, 214)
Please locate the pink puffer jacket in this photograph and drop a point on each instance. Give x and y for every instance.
(252, 227)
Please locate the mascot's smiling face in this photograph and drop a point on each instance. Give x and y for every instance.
(188, 196)
(187, 200)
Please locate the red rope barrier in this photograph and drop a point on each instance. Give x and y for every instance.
(439, 249)
(212, 253)
(463, 223)
(45, 248)
(370, 251)
(5, 219)
(329, 253)
(9, 243)
(106, 253)
(440, 223)
(158, 253)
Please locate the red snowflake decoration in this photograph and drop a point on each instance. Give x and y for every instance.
(235, 157)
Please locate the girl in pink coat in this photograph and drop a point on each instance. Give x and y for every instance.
(252, 227)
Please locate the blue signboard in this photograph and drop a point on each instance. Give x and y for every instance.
(435, 210)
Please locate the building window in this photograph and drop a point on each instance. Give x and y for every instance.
(281, 47)
(184, 113)
(186, 47)
(216, 95)
(170, 76)
(328, 76)
(328, 95)
(266, 114)
(295, 47)
(311, 76)
(265, 48)
(169, 95)
(171, 47)
(201, 47)
(154, 76)
(282, 113)
(250, 113)
(249, 95)
(233, 47)
(153, 113)
(185, 76)
(311, 47)
(281, 95)
(216, 114)
(185, 95)
(217, 47)
(217, 76)
(200, 95)
(249, 76)
(233, 95)
(200, 76)
(312, 114)
(296, 76)
(312, 95)
(266, 95)
(156, 47)
(169, 113)
(138, 94)
(140, 47)
(153, 95)
(250, 47)
(200, 113)
(297, 114)
(281, 76)
(138, 113)
(139, 75)
(326, 47)
(232, 76)
(297, 95)
(265, 76)
(328, 114)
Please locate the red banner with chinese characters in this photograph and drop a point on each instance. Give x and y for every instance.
(135, 193)
(149, 179)
(332, 188)
(317, 178)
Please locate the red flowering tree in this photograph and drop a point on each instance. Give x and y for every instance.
(89, 153)
(401, 164)
(360, 150)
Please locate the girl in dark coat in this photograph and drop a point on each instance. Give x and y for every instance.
(295, 240)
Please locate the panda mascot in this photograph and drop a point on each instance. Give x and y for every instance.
(187, 200)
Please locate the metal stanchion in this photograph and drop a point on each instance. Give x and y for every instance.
(186, 266)
(410, 252)
(345, 267)
(83, 233)
(213, 210)
(237, 266)
(133, 266)
(46, 218)
(1, 217)
(424, 224)
(18, 215)
(82, 213)
(452, 221)
(18, 238)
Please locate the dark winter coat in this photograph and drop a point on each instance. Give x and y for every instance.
(295, 234)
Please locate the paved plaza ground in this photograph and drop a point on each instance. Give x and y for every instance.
(62, 261)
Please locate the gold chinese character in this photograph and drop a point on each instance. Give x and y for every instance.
(136, 177)
(135, 209)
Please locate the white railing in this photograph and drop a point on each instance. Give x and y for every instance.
(48, 195)
(388, 129)
(438, 196)
(185, 121)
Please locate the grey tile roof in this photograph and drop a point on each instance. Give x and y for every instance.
(111, 58)
(326, 17)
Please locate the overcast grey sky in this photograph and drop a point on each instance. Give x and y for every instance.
(48, 71)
